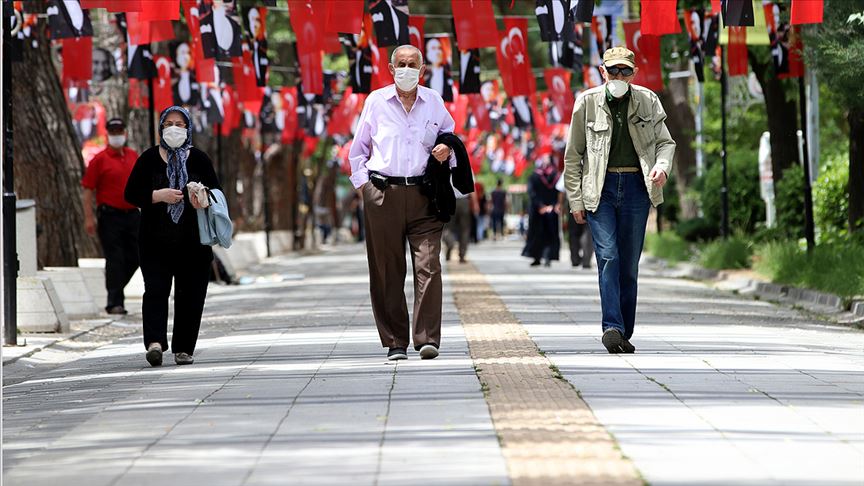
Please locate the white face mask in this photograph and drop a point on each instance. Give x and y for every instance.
(407, 78)
(174, 136)
(617, 88)
(116, 141)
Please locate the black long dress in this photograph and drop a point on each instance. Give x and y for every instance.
(543, 241)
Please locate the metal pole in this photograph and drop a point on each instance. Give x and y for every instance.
(268, 224)
(152, 111)
(724, 190)
(10, 250)
(700, 154)
(809, 232)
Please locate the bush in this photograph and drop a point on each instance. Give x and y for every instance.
(746, 207)
(789, 198)
(668, 246)
(836, 267)
(734, 252)
(831, 196)
(697, 229)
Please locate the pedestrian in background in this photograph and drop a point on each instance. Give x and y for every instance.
(578, 235)
(116, 220)
(499, 209)
(459, 228)
(171, 248)
(543, 241)
(395, 140)
(617, 159)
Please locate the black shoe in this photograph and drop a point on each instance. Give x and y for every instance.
(613, 339)
(627, 347)
(154, 354)
(547, 263)
(116, 309)
(396, 354)
(535, 263)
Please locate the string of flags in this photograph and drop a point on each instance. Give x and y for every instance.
(221, 68)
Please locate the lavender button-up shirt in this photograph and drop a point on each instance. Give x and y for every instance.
(395, 143)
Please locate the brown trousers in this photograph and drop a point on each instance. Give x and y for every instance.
(393, 216)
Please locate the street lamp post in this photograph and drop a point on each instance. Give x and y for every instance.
(10, 250)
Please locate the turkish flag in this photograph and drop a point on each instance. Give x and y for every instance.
(310, 143)
(163, 97)
(77, 59)
(796, 63)
(475, 23)
(244, 78)
(380, 67)
(343, 116)
(417, 31)
(332, 44)
(806, 12)
(144, 32)
(233, 114)
(736, 52)
(289, 113)
(344, 16)
(138, 94)
(160, 10)
(308, 24)
(660, 17)
(647, 51)
(513, 57)
(458, 109)
(125, 5)
(560, 93)
(480, 112)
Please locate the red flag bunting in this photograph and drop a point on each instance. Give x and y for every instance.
(143, 32)
(475, 23)
(343, 116)
(138, 94)
(513, 52)
(289, 114)
(77, 59)
(344, 16)
(660, 17)
(88, 4)
(244, 78)
(480, 112)
(647, 51)
(125, 5)
(806, 12)
(796, 63)
(308, 24)
(560, 93)
(163, 97)
(417, 31)
(159, 10)
(736, 52)
(380, 68)
(458, 109)
(716, 7)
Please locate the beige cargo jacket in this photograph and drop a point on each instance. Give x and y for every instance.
(587, 151)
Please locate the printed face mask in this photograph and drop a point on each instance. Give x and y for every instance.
(174, 136)
(407, 78)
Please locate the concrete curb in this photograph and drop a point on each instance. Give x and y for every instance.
(70, 337)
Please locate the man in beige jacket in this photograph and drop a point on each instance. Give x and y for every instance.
(619, 154)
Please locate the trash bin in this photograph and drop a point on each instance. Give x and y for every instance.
(25, 236)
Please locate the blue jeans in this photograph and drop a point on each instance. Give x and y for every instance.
(618, 228)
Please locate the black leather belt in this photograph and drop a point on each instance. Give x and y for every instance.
(380, 179)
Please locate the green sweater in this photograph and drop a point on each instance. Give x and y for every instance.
(621, 151)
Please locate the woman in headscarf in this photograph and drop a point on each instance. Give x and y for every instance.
(169, 243)
(543, 241)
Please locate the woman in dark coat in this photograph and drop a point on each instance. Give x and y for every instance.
(543, 241)
(169, 243)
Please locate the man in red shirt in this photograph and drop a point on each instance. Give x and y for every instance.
(117, 221)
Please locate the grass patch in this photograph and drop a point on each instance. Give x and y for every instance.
(735, 252)
(836, 267)
(668, 246)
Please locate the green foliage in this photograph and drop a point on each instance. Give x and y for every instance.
(835, 49)
(789, 198)
(697, 229)
(668, 246)
(831, 196)
(836, 267)
(734, 252)
(746, 207)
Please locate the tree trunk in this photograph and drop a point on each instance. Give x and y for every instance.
(682, 126)
(48, 162)
(782, 118)
(856, 169)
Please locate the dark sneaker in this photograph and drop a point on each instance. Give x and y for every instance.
(613, 340)
(117, 309)
(183, 358)
(428, 351)
(154, 354)
(627, 347)
(397, 353)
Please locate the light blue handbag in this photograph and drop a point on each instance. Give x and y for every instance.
(214, 223)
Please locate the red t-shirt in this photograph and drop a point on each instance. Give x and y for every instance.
(107, 174)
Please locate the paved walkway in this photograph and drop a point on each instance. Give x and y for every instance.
(290, 387)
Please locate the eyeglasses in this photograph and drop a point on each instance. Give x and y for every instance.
(615, 70)
(170, 124)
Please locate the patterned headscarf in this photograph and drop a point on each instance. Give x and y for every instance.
(177, 174)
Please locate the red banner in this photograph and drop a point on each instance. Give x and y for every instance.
(660, 17)
(647, 51)
(736, 51)
(560, 93)
(344, 16)
(125, 5)
(796, 63)
(380, 67)
(244, 78)
(163, 96)
(144, 32)
(77, 59)
(475, 23)
(480, 112)
(308, 24)
(417, 31)
(289, 113)
(806, 12)
(343, 116)
(160, 10)
(514, 49)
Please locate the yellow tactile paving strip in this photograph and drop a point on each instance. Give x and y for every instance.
(548, 434)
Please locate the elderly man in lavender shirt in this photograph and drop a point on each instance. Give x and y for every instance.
(395, 136)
